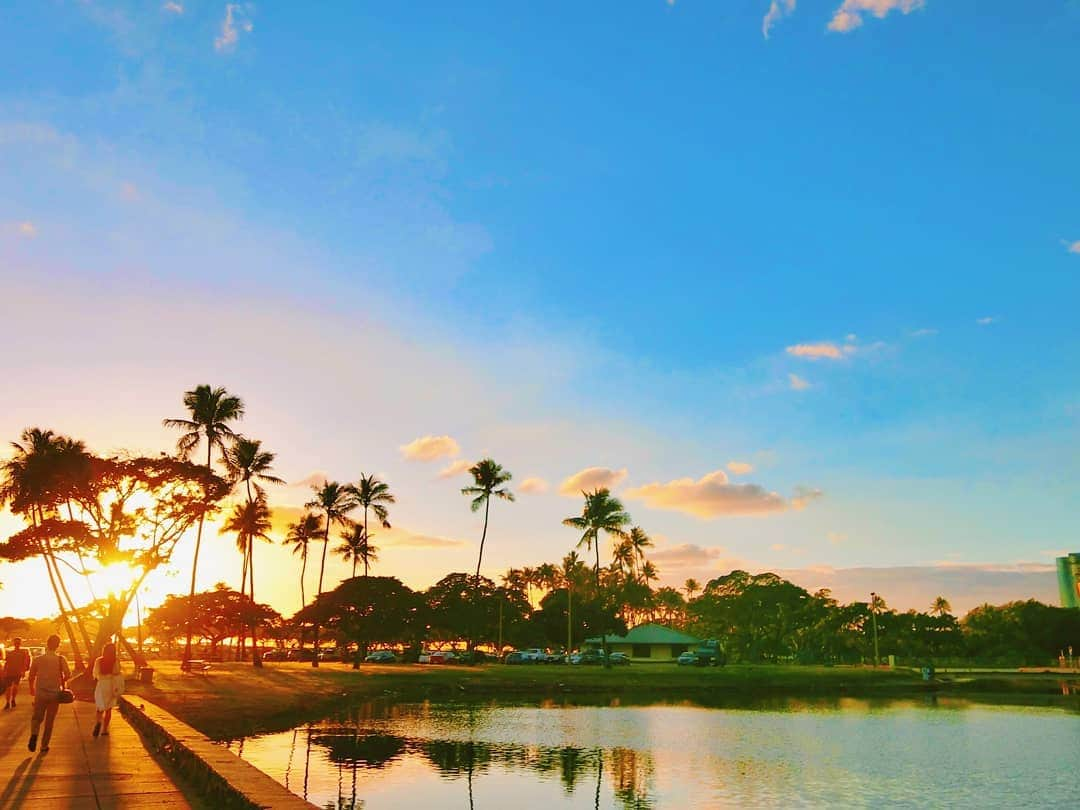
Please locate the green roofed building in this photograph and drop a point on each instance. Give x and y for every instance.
(1068, 570)
(648, 642)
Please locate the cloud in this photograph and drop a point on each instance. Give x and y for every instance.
(455, 468)
(777, 10)
(804, 496)
(430, 448)
(740, 467)
(850, 14)
(710, 496)
(315, 479)
(836, 538)
(237, 20)
(686, 555)
(172, 7)
(402, 538)
(591, 478)
(924, 332)
(797, 383)
(985, 321)
(533, 486)
(1073, 247)
(24, 229)
(129, 192)
(817, 351)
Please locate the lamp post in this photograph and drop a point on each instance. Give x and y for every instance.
(873, 620)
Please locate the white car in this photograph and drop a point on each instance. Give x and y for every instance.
(534, 655)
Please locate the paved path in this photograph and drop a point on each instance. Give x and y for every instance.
(78, 771)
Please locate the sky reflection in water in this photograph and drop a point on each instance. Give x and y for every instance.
(847, 753)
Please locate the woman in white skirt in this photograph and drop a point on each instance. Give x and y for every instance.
(110, 685)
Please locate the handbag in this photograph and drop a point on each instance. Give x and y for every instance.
(65, 696)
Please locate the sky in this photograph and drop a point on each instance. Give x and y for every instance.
(797, 280)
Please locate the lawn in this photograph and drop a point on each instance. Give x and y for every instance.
(235, 699)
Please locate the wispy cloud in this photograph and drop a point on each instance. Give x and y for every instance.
(777, 10)
(315, 479)
(25, 229)
(740, 467)
(986, 321)
(591, 478)
(850, 14)
(172, 7)
(797, 383)
(686, 555)
(924, 332)
(1073, 247)
(804, 496)
(430, 448)
(816, 351)
(533, 486)
(237, 21)
(455, 468)
(710, 496)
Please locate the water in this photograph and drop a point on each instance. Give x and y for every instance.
(841, 753)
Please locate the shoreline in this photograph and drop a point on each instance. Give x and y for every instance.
(235, 700)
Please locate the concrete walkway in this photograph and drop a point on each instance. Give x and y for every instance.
(79, 771)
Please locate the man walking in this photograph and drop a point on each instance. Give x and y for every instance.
(48, 674)
(15, 666)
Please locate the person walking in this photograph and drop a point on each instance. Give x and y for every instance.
(16, 663)
(110, 685)
(48, 674)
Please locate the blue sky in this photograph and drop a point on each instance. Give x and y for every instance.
(572, 236)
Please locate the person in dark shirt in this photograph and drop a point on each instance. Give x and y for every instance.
(15, 665)
(48, 674)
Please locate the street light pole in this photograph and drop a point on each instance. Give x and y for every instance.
(873, 619)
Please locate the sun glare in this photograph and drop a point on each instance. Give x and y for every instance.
(116, 577)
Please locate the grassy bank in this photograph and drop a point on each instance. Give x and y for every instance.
(235, 699)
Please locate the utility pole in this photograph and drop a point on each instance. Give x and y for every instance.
(569, 625)
(498, 652)
(873, 619)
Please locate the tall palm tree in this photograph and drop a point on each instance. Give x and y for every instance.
(602, 513)
(941, 606)
(373, 495)
(691, 586)
(489, 480)
(251, 521)
(639, 541)
(306, 529)
(355, 548)
(210, 410)
(335, 501)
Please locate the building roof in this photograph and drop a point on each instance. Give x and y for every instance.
(649, 634)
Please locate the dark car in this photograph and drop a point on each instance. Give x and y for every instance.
(381, 657)
(514, 658)
(587, 658)
(618, 659)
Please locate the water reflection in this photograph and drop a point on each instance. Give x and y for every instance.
(914, 753)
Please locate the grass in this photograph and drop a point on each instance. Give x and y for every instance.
(234, 700)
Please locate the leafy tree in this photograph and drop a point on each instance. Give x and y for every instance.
(217, 615)
(335, 502)
(460, 607)
(210, 410)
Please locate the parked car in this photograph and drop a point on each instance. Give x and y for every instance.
(274, 655)
(381, 657)
(686, 659)
(300, 655)
(515, 657)
(534, 655)
(436, 657)
(588, 657)
(618, 659)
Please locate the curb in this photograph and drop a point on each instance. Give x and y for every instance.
(225, 780)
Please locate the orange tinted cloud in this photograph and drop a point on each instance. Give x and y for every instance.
(533, 486)
(777, 9)
(815, 351)
(455, 468)
(591, 478)
(740, 467)
(850, 14)
(797, 383)
(710, 496)
(430, 448)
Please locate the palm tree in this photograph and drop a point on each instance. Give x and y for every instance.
(639, 541)
(250, 521)
(691, 586)
(941, 606)
(488, 482)
(602, 513)
(210, 410)
(335, 501)
(356, 548)
(306, 529)
(374, 495)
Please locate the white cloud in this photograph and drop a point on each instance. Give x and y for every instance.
(315, 479)
(777, 10)
(455, 468)
(818, 351)
(533, 486)
(237, 20)
(924, 332)
(25, 229)
(850, 14)
(591, 478)
(172, 7)
(803, 496)
(1073, 247)
(710, 496)
(740, 467)
(430, 448)
(797, 383)
(985, 321)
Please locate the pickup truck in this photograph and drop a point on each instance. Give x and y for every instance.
(710, 654)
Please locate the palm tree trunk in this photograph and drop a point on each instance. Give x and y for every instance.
(64, 615)
(195, 564)
(243, 588)
(476, 580)
(600, 599)
(354, 565)
(74, 614)
(303, 573)
(256, 659)
(322, 570)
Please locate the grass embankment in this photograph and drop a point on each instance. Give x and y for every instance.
(235, 699)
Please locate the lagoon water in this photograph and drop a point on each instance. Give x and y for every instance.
(839, 753)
